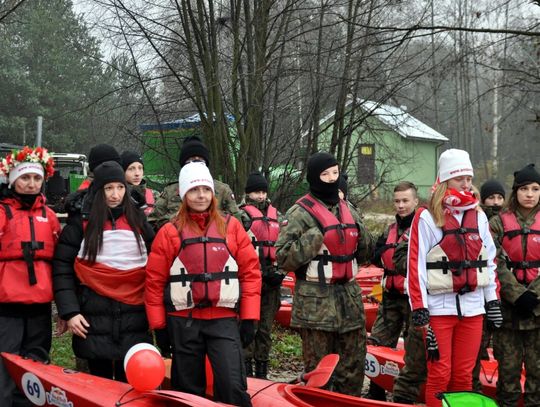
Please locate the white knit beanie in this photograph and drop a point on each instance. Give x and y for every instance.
(454, 163)
(193, 175)
(25, 167)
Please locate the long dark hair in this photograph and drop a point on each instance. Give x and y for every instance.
(99, 214)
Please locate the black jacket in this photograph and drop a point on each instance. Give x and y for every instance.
(114, 326)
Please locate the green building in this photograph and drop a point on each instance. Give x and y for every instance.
(389, 146)
(162, 143)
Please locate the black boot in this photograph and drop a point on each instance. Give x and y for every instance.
(249, 367)
(261, 369)
(376, 392)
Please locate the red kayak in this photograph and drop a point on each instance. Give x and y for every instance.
(367, 277)
(265, 393)
(46, 384)
(283, 316)
(383, 365)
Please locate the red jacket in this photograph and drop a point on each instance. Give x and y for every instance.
(27, 280)
(163, 254)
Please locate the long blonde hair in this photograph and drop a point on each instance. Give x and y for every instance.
(182, 218)
(436, 206)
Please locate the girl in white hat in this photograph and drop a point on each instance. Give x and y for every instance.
(203, 291)
(451, 277)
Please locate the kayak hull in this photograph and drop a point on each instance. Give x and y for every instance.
(270, 394)
(46, 384)
(383, 365)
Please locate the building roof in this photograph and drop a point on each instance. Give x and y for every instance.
(397, 119)
(187, 123)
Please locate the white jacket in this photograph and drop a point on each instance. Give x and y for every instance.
(424, 235)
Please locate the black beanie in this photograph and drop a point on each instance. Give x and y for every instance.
(343, 186)
(101, 153)
(129, 157)
(109, 171)
(527, 175)
(325, 191)
(489, 188)
(193, 146)
(256, 182)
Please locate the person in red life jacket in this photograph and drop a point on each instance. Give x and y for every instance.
(394, 311)
(202, 276)
(516, 231)
(133, 165)
(451, 278)
(261, 221)
(28, 234)
(99, 273)
(98, 155)
(492, 195)
(322, 239)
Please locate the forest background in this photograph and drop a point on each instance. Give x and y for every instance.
(97, 69)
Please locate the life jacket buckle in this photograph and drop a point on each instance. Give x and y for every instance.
(466, 264)
(525, 264)
(462, 231)
(206, 277)
(526, 231)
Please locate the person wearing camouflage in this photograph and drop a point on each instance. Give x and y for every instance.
(261, 220)
(492, 195)
(169, 201)
(322, 239)
(394, 310)
(516, 233)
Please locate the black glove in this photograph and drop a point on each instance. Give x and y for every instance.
(420, 317)
(163, 342)
(494, 314)
(432, 347)
(273, 279)
(247, 332)
(526, 303)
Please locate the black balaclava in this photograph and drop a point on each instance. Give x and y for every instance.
(325, 191)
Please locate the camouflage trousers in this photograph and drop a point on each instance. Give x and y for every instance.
(482, 355)
(511, 348)
(414, 373)
(392, 315)
(259, 349)
(348, 376)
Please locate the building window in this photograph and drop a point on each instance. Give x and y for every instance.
(366, 164)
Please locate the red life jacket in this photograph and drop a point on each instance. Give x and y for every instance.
(150, 201)
(205, 273)
(335, 262)
(524, 265)
(26, 251)
(458, 263)
(264, 232)
(392, 280)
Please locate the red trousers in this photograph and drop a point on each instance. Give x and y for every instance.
(459, 343)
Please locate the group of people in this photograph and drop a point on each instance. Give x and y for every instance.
(200, 276)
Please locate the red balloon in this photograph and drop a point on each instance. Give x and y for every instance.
(145, 370)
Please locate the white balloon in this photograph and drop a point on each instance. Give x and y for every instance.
(135, 348)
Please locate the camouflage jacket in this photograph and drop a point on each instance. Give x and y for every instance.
(334, 308)
(168, 203)
(511, 289)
